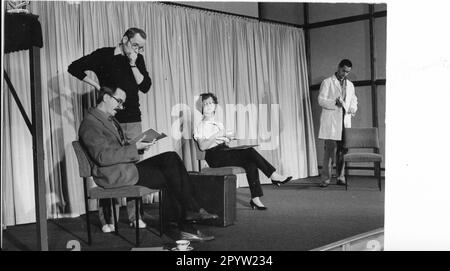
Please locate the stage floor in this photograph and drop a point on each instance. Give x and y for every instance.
(300, 216)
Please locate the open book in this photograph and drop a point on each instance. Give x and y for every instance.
(150, 135)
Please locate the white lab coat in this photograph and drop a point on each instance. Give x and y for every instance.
(331, 117)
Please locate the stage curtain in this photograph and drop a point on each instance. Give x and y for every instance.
(253, 66)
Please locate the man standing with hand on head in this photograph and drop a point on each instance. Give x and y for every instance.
(339, 104)
(122, 66)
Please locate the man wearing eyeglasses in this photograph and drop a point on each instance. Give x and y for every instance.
(122, 66)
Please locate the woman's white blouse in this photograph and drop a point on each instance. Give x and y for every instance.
(206, 129)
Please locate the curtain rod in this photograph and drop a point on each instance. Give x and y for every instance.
(233, 14)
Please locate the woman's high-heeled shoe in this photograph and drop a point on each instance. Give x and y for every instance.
(288, 179)
(278, 183)
(254, 206)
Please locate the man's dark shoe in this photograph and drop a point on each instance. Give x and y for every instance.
(201, 215)
(197, 237)
(205, 215)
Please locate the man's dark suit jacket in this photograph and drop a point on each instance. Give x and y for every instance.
(114, 161)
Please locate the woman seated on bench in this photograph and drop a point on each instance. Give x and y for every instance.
(212, 138)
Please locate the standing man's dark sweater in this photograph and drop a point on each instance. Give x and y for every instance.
(113, 69)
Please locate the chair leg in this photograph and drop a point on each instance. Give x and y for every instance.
(346, 175)
(116, 225)
(378, 173)
(88, 224)
(161, 224)
(136, 221)
(86, 206)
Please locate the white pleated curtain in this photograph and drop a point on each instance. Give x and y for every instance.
(188, 52)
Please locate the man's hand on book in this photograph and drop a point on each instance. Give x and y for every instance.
(148, 136)
(144, 146)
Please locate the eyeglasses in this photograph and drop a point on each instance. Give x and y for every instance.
(119, 101)
(136, 47)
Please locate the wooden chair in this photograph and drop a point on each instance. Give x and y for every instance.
(133, 191)
(363, 138)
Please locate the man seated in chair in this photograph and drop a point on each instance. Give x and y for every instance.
(115, 165)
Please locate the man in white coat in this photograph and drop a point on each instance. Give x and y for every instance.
(339, 104)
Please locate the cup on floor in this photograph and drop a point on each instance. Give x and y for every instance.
(182, 245)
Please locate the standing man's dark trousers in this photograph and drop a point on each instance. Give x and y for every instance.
(334, 151)
(340, 151)
(167, 170)
(249, 159)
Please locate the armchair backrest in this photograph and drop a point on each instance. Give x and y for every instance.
(361, 138)
(84, 163)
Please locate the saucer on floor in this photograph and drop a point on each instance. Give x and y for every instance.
(188, 249)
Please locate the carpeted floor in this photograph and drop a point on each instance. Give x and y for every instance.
(301, 216)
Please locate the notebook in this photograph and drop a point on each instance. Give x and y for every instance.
(241, 147)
